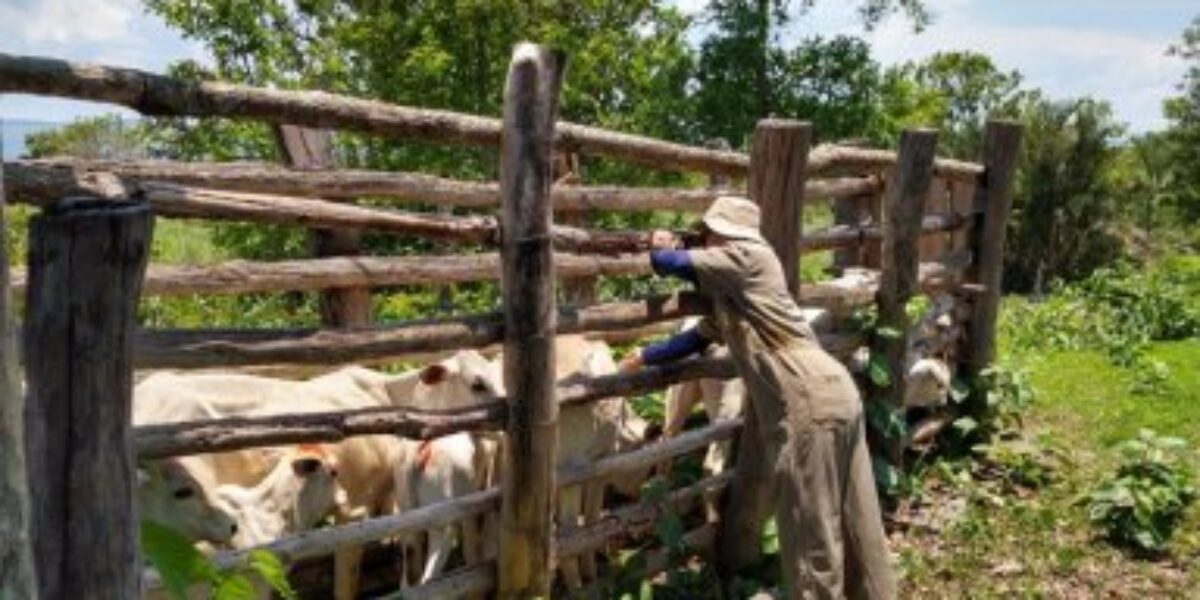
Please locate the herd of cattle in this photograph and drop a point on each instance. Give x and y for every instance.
(247, 498)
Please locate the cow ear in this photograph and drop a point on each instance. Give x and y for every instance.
(434, 374)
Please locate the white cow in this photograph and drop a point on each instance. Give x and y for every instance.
(588, 433)
(436, 471)
(296, 495)
(365, 464)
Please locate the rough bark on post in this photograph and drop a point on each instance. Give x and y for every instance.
(16, 557)
(86, 261)
(899, 279)
(525, 565)
(1001, 146)
(312, 150)
(777, 175)
(937, 201)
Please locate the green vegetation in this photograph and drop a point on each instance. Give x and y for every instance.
(181, 566)
(1142, 504)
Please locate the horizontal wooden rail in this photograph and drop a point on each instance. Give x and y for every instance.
(158, 95)
(198, 437)
(652, 454)
(51, 179)
(827, 159)
(240, 277)
(200, 348)
(325, 541)
(637, 518)
(481, 578)
(474, 579)
(841, 236)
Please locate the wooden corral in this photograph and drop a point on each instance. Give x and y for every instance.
(920, 224)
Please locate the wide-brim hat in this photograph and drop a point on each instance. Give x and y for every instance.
(734, 217)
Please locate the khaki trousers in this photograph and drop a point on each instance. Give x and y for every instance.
(832, 543)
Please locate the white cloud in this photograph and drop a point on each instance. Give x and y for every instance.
(1099, 59)
(64, 21)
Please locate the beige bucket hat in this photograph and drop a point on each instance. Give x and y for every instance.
(734, 217)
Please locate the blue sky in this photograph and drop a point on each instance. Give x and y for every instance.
(1112, 49)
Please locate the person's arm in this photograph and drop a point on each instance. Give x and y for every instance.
(677, 263)
(680, 345)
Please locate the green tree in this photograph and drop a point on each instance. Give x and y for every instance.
(1065, 206)
(745, 74)
(1183, 136)
(106, 137)
(629, 64)
(972, 89)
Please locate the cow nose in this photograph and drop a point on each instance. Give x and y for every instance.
(233, 529)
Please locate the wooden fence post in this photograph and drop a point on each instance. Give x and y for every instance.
(777, 175)
(312, 150)
(86, 263)
(1001, 146)
(905, 205)
(16, 558)
(526, 515)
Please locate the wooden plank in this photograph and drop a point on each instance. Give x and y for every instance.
(1001, 147)
(827, 159)
(158, 95)
(312, 150)
(932, 247)
(525, 566)
(35, 181)
(16, 556)
(962, 202)
(86, 263)
(206, 348)
(777, 175)
(899, 279)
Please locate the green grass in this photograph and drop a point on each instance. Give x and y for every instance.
(1090, 400)
(1039, 543)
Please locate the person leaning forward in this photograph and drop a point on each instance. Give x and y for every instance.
(832, 543)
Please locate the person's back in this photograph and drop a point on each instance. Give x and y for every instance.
(805, 403)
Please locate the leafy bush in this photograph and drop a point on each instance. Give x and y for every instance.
(1141, 505)
(1117, 309)
(181, 565)
(990, 405)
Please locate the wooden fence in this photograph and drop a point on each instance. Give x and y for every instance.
(924, 224)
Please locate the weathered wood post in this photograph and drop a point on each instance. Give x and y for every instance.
(1001, 146)
(898, 282)
(526, 515)
(16, 557)
(86, 263)
(308, 149)
(778, 160)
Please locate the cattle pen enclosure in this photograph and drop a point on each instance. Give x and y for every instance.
(921, 224)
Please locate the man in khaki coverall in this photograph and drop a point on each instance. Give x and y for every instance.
(806, 403)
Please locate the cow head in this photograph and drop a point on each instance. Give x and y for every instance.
(169, 492)
(465, 379)
(296, 495)
(928, 384)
